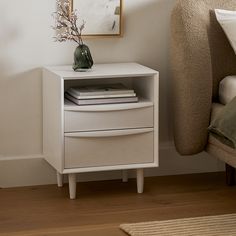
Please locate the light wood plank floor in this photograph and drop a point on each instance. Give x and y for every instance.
(102, 206)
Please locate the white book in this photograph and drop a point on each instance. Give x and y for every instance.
(101, 101)
(102, 89)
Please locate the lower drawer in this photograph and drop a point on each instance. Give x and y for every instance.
(109, 148)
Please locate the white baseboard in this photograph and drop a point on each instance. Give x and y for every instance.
(33, 170)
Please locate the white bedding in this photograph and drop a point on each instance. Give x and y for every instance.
(227, 89)
(227, 20)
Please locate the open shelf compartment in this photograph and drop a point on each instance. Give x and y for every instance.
(143, 87)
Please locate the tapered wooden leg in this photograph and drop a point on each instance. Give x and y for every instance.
(59, 179)
(140, 180)
(125, 176)
(230, 175)
(72, 186)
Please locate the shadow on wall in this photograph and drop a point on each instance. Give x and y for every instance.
(20, 97)
(8, 33)
(21, 114)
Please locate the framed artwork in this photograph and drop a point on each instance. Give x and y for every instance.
(101, 17)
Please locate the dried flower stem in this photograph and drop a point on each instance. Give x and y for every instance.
(66, 23)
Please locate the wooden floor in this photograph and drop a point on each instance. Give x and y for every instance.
(102, 206)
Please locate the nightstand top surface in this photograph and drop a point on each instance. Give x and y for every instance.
(111, 70)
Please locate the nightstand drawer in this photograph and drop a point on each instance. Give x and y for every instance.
(91, 120)
(109, 148)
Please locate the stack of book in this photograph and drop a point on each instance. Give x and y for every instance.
(101, 94)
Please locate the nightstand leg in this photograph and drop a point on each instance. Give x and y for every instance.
(140, 180)
(125, 176)
(59, 179)
(72, 186)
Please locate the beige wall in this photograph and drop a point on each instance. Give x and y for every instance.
(26, 45)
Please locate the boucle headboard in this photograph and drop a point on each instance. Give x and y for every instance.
(201, 56)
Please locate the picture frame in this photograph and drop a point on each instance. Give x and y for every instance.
(103, 18)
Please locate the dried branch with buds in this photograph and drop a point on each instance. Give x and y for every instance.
(66, 23)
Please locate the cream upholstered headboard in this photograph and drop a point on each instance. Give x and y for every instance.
(201, 57)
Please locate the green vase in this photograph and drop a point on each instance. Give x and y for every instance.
(82, 58)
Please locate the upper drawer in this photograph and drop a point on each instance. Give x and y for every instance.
(92, 120)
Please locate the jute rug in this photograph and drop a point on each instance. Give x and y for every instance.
(222, 225)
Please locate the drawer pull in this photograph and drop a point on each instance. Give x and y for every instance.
(114, 133)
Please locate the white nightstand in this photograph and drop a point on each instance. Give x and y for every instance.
(78, 139)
